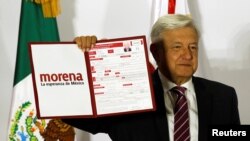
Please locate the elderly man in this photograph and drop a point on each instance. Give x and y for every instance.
(186, 105)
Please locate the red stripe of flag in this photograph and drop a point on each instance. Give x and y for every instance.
(171, 6)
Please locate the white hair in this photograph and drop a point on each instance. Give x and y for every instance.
(169, 22)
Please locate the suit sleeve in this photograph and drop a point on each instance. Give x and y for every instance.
(235, 112)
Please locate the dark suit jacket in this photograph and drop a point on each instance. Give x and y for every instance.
(217, 104)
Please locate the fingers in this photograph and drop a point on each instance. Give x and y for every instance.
(85, 43)
(77, 40)
(93, 41)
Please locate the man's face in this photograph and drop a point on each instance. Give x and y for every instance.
(179, 58)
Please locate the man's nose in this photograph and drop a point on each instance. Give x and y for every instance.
(187, 53)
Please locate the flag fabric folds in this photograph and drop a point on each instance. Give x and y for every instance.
(51, 8)
(181, 7)
(162, 7)
(178, 7)
(23, 123)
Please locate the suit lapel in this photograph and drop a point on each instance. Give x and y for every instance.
(161, 118)
(204, 107)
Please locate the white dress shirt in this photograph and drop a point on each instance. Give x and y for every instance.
(170, 102)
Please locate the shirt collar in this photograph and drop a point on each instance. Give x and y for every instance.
(167, 84)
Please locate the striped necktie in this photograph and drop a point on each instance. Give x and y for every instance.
(181, 116)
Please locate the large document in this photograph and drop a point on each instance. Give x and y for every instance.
(112, 78)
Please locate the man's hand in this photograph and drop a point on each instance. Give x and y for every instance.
(85, 43)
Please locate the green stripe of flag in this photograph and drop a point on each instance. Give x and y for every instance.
(33, 28)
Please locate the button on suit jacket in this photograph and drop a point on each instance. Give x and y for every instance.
(217, 105)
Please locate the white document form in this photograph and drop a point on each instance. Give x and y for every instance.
(120, 76)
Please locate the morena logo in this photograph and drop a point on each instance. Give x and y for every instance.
(61, 77)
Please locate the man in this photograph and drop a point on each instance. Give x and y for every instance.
(175, 50)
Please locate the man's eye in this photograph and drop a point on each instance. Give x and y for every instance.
(194, 47)
(177, 46)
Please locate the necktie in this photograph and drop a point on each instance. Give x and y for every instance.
(181, 116)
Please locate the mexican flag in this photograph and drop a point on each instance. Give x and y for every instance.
(23, 124)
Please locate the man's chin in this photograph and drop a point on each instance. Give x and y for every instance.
(186, 74)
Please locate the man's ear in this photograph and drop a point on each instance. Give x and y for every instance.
(155, 50)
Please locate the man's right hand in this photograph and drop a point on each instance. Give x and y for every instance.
(85, 43)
